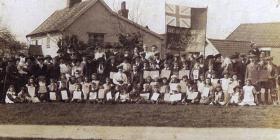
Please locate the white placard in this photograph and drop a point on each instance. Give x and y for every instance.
(155, 96)
(31, 91)
(124, 97)
(145, 96)
(101, 94)
(112, 75)
(167, 97)
(92, 95)
(72, 87)
(64, 95)
(183, 73)
(195, 74)
(173, 86)
(52, 96)
(192, 95)
(109, 96)
(77, 95)
(152, 74)
(205, 92)
(175, 97)
(117, 95)
(165, 73)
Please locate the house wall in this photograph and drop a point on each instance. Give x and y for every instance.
(99, 20)
(48, 43)
(210, 49)
(275, 53)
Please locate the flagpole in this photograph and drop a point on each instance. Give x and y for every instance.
(165, 25)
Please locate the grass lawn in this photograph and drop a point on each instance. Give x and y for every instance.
(141, 115)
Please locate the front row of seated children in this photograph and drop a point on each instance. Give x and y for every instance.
(182, 92)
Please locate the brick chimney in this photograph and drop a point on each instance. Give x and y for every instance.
(71, 3)
(123, 12)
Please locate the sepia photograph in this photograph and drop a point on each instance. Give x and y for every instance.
(139, 69)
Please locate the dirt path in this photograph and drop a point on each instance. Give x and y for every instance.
(128, 133)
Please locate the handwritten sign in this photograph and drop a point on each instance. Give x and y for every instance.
(152, 74)
(109, 96)
(195, 74)
(92, 95)
(145, 96)
(183, 73)
(192, 95)
(259, 75)
(77, 95)
(165, 74)
(64, 95)
(155, 96)
(175, 97)
(166, 97)
(52, 96)
(205, 92)
(173, 86)
(101, 94)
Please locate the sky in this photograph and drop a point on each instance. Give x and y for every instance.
(23, 16)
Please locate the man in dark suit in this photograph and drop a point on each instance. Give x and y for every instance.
(40, 68)
(135, 77)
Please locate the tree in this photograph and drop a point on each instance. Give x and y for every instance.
(8, 42)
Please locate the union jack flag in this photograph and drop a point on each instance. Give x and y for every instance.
(178, 16)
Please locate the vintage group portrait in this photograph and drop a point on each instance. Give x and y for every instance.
(139, 69)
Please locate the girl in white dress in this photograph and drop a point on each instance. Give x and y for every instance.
(93, 93)
(225, 86)
(86, 85)
(78, 94)
(206, 93)
(11, 96)
(32, 90)
(248, 91)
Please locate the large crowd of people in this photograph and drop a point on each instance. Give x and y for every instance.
(139, 76)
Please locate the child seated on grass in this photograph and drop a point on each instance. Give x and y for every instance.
(134, 94)
(77, 94)
(11, 96)
(192, 96)
(235, 97)
(23, 96)
(43, 90)
(176, 96)
(155, 97)
(86, 87)
(124, 95)
(207, 91)
(32, 90)
(53, 90)
(145, 94)
(93, 93)
(218, 96)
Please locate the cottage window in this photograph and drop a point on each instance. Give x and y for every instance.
(96, 39)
